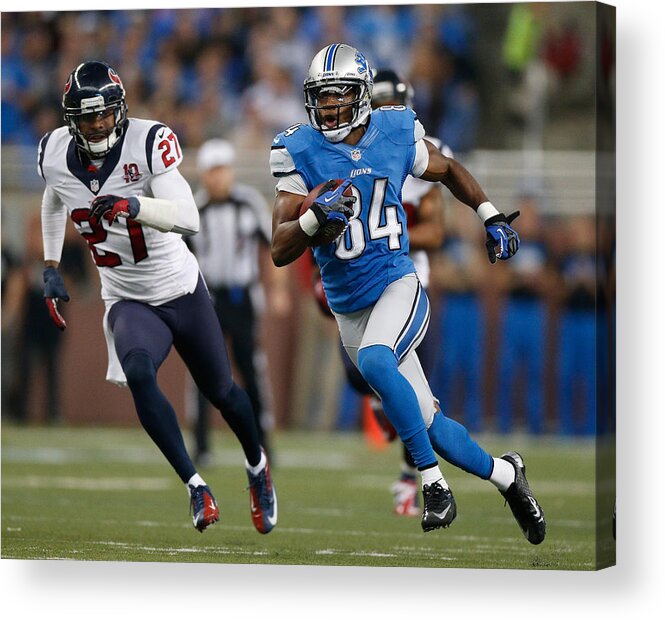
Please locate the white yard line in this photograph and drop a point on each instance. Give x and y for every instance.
(87, 484)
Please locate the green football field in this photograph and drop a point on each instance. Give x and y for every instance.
(107, 494)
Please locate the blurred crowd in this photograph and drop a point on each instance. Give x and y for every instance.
(212, 72)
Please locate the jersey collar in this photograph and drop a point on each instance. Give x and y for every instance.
(81, 167)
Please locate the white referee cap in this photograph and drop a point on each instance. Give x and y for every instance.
(215, 152)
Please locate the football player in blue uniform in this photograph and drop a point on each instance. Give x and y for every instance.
(368, 277)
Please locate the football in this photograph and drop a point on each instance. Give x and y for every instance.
(330, 231)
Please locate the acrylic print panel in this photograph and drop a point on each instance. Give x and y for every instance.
(520, 353)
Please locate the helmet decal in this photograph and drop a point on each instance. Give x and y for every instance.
(115, 77)
(329, 62)
(68, 85)
(362, 64)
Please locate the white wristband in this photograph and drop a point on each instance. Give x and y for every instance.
(157, 213)
(486, 210)
(309, 223)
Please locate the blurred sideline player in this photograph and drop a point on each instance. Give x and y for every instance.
(235, 227)
(118, 180)
(369, 280)
(423, 204)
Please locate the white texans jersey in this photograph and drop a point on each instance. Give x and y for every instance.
(134, 261)
(413, 191)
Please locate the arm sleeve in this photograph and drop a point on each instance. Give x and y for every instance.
(421, 160)
(172, 207)
(54, 221)
(293, 184)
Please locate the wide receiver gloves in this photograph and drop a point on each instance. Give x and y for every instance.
(502, 240)
(54, 289)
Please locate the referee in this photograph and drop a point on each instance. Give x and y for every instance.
(235, 222)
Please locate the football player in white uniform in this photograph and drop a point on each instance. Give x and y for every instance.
(117, 178)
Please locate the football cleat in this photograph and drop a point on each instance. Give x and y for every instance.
(203, 507)
(526, 510)
(405, 497)
(440, 508)
(262, 499)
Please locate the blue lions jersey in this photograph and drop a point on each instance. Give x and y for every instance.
(374, 250)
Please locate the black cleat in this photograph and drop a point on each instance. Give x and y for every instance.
(440, 508)
(526, 510)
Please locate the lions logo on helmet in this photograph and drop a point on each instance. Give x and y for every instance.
(362, 63)
(338, 69)
(93, 88)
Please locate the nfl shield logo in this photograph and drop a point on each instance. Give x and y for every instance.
(355, 154)
(94, 185)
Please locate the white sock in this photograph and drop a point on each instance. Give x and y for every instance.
(503, 474)
(257, 468)
(195, 481)
(432, 475)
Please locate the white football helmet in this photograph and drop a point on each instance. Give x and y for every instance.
(338, 68)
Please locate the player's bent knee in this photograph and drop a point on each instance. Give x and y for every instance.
(377, 364)
(139, 369)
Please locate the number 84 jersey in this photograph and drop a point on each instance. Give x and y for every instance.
(134, 261)
(374, 250)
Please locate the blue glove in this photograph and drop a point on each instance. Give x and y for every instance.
(331, 204)
(112, 207)
(54, 289)
(337, 216)
(499, 233)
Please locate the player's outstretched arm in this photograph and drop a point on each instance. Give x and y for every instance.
(289, 240)
(454, 176)
(502, 240)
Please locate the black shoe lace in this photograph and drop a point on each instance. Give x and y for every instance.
(435, 497)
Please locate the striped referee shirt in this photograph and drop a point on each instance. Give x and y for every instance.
(227, 245)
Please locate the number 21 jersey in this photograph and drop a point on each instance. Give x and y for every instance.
(134, 261)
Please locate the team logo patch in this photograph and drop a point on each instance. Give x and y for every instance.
(115, 78)
(94, 185)
(132, 174)
(356, 154)
(362, 63)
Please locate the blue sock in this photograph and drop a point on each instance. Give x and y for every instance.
(378, 365)
(453, 442)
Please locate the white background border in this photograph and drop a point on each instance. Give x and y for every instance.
(31, 589)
